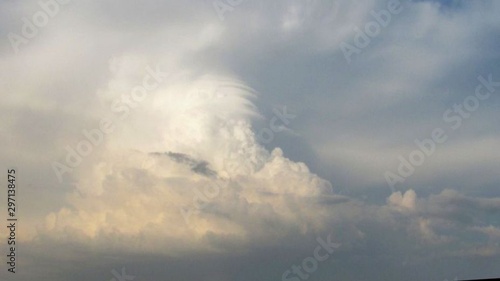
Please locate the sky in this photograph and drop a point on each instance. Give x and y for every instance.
(225, 140)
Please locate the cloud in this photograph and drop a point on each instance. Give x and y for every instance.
(191, 129)
(183, 182)
(403, 201)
